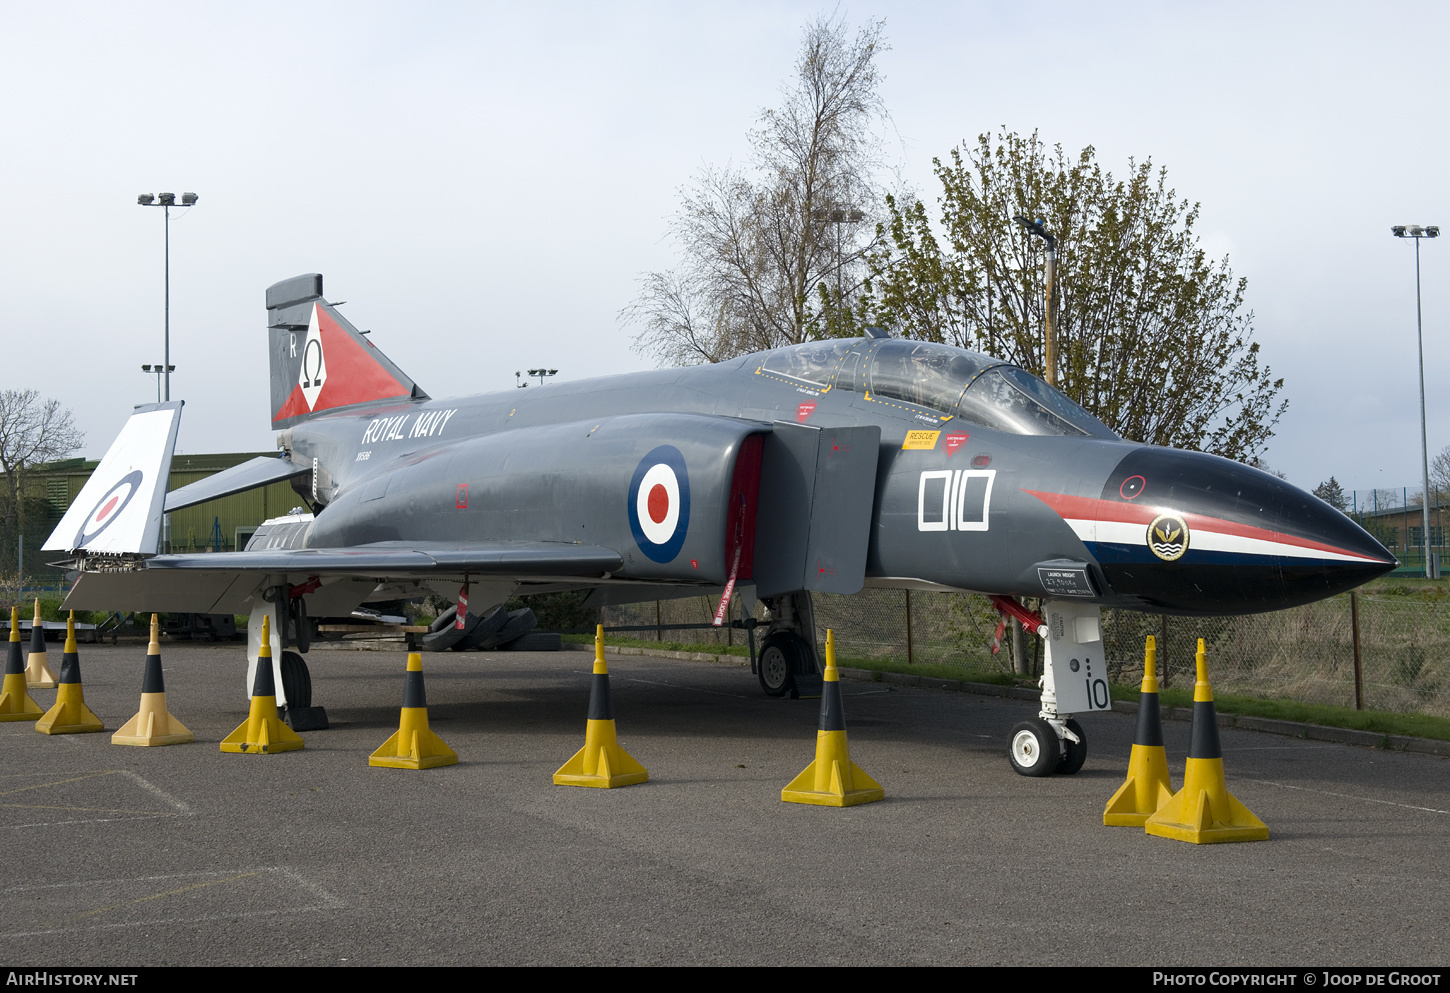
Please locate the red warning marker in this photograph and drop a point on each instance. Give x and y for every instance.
(955, 441)
(460, 501)
(803, 412)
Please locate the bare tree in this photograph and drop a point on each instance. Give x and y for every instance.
(770, 255)
(33, 430)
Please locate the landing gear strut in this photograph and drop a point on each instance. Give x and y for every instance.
(1074, 680)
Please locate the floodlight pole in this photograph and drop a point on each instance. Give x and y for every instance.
(1049, 332)
(1417, 232)
(166, 201)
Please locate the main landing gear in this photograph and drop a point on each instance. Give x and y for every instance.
(1074, 680)
(787, 664)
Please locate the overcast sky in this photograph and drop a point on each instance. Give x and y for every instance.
(483, 183)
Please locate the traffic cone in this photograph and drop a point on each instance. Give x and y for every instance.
(1147, 787)
(153, 724)
(263, 731)
(832, 780)
(413, 746)
(601, 762)
(15, 702)
(70, 715)
(1204, 811)
(37, 674)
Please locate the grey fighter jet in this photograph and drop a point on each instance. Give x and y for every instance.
(831, 466)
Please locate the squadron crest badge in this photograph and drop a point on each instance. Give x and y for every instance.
(1168, 537)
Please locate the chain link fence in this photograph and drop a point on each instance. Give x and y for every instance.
(1306, 654)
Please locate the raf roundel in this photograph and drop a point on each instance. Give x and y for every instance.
(108, 508)
(659, 504)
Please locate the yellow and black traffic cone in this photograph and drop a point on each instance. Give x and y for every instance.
(153, 724)
(15, 702)
(413, 745)
(37, 674)
(263, 731)
(1147, 787)
(601, 762)
(70, 715)
(1204, 811)
(832, 780)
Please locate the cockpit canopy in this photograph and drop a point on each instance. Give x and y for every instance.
(975, 387)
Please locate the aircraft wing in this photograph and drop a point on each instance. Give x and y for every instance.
(390, 559)
(226, 582)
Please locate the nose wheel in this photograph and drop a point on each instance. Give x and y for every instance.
(1036, 750)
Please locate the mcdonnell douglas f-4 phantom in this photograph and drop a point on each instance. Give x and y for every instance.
(826, 466)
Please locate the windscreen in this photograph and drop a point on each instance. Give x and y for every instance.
(923, 373)
(813, 362)
(1008, 399)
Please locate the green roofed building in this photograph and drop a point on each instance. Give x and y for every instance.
(221, 525)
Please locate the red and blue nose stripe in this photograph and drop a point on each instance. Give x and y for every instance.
(1186, 532)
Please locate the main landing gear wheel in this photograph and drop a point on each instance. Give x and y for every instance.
(777, 662)
(296, 681)
(1074, 753)
(1034, 749)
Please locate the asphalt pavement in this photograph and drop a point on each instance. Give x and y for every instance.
(185, 855)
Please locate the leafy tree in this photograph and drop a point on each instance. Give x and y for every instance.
(1152, 336)
(1333, 494)
(759, 247)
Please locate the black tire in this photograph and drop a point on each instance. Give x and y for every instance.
(296, 681)
(777, 663)
(1074, 754)
(485, 626)
(300, 628)
(1033, 749)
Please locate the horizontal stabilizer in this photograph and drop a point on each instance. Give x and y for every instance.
(261, 471)
(119, 510)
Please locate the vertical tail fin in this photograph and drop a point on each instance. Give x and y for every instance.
(319, 361)
(118, 511)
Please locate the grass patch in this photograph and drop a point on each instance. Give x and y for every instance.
(1381, 722)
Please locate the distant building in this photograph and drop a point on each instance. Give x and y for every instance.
(221, 525)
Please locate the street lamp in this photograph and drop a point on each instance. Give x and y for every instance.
(166, 201)
(159, 371)
(836, 216)
(1050, 335)
(1416, 231)
(543, 374)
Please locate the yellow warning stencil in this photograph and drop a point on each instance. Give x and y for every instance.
(920, 440)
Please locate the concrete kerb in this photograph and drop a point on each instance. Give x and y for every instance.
(1245, 722)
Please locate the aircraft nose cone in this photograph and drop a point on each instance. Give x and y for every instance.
(1189, 533)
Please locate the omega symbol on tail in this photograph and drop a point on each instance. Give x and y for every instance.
(1168, 537)
(659, 504)
(314, 367)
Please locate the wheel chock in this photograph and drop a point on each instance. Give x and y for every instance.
(1204, 812)
(413, 745)
(832, 780)
(70, 715)
(263, 731)
(601, 762)
(1147, 787)
(15, 702)
(37, 674)
(153, 723)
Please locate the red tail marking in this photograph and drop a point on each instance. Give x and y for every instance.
(353, 376)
